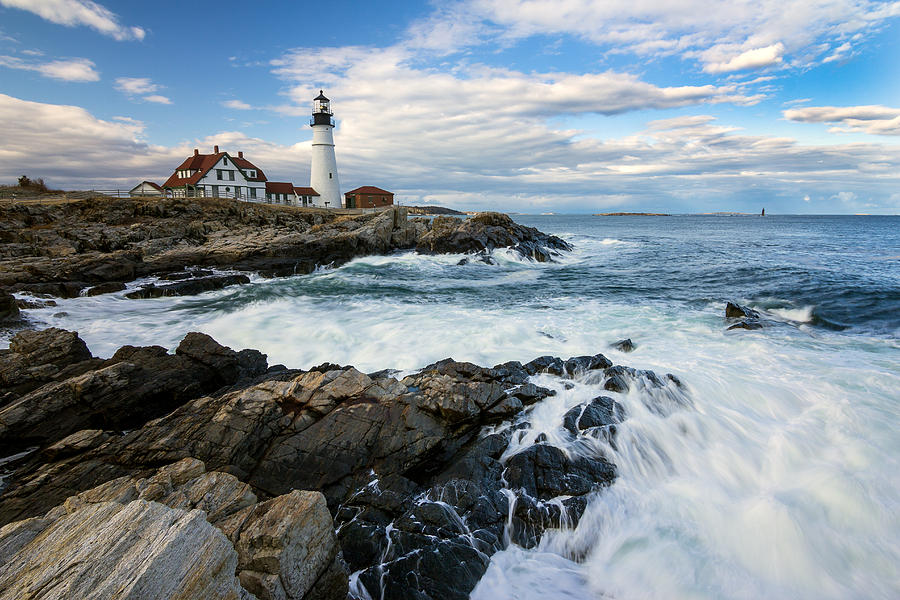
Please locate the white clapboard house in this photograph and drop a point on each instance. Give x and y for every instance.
(217, 175)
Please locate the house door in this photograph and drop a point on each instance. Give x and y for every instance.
(215, 191)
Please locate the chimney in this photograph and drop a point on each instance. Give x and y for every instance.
(240, 154)
(196, 152)
(215, 149)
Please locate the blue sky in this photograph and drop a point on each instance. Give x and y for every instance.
(518, 105)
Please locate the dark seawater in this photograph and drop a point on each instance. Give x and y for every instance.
(847, 268)
(779, 481)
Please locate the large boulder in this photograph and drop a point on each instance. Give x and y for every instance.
(9, 308)
(123, 392)
(485, 232)
(38, 357)
(284, 548)
(140, 550)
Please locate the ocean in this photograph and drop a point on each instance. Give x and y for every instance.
(780, 480)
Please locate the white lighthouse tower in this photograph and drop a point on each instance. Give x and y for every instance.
(323, 175)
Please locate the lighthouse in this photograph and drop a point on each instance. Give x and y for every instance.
(323, 175)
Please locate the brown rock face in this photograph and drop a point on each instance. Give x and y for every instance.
(38, 357)
(162, 537)
(123, 392)
(61, 248)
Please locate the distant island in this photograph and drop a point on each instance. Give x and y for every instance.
(631, 214)
(432, 210)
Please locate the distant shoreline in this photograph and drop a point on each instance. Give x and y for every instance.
(631, 214)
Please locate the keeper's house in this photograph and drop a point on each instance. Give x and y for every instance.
(217, 175)
(368, 196)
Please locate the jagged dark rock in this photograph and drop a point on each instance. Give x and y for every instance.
(9, 308)
(736, 311)
(189, 287)
(485, 232)
(746, 324)
(625, 345)
(599, 412)
(409, 469)
(35, 358)
(136, 384)
(106, 288)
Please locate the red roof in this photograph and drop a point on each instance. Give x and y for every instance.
(369, 189)
(305, 191)
(279, 187)
(202, 163)
(245, 164)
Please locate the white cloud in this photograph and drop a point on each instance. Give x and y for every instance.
(876, 120)
(74, 69)
(136, 85)
(236, 104)
(749, 59)
(510, 163)
(723, 36)
(141, 86)
(70, 147)
(157, 99)
(79, 12)
(839, 53)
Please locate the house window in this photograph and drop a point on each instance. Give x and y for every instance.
(225, 161)
(253, 192)
(230, 175)
(329, 176)
(219, 174)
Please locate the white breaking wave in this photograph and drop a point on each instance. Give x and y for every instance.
(798, 315)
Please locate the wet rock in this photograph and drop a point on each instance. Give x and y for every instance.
(545, 472)
(746, 324)
(106, 288)
(545, 364)
(180, 275)
(581, 364)
(616, 383)
(486, 231)
(189, 287)
(736, 311)
(9, 308)
(481, 257)
(625, 345)
(29, 303)
(601, 411)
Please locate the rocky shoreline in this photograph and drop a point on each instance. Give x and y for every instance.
(288, 483)
(97, 245)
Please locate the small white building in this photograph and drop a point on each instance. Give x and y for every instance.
(306, 196)
(145, 189)
(217, 175)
